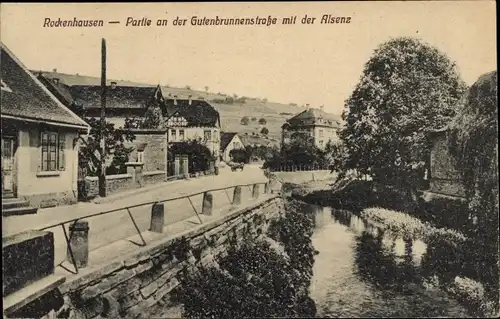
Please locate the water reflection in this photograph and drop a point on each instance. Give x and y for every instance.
(362, 271)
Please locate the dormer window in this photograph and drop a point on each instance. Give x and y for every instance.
(5, 87)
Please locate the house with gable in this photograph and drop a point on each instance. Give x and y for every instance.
(193, 119)
(39, 148)
(322, 126)
(229, 141)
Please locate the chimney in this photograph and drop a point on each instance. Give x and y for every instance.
(56, 80)
(189, 99)
(113, 85)
(175, 99)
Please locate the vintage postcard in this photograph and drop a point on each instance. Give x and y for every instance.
(249, 159)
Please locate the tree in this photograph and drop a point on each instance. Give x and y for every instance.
(206, 88)
(262, 121)
(239, 155)
(264, 100)
(114, 145)
(301, 150)
(407, 88)
(473, 142)
(199, 155)
(187, 87)
(264, 131)
(254, 119)
(244, 120)
(153, 119)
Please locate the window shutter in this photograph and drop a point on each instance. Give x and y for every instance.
(44, 149)
(61, 156)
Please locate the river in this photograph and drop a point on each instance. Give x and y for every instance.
(360, 272)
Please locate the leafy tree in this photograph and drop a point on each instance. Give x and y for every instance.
(153, 119)
(254, 119)
(264, 131)
(473, 142)
(407, 87)
(206, 88)
(240, 155)
(199, 155)
(244, 120)
(301, 150)
(262, 121)
(89, 153)
(187, 87)
(264, 100)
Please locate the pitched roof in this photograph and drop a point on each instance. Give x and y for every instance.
(120, 97)
(60, 90)
(199, 113)
(225, 139)
(313, 115)
(28, 98)
(249, 140)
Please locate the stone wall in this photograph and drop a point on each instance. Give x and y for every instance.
(155, 149)
(140, 285)
(114, 184)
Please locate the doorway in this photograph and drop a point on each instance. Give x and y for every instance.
(8, 165)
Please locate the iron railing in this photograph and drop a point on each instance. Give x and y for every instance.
(128, 208)
(298, 168)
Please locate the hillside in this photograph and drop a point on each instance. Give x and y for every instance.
(231, 114)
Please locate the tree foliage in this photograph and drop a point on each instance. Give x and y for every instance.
(245, 120)
(264, 131)
(262, 121)
(301, 150)
(198, 153)
(407, 88)
(239, 155)
(473, 142)
(115, 139)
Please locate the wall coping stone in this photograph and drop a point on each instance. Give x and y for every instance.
(109, 177)
(76, 282)
(153, 173)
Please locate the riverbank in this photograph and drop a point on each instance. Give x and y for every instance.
(453, 261)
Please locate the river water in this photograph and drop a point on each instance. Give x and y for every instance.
(361, 272)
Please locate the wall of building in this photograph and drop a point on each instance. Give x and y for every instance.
(231, 146)
(197, 132)
(445, 179)
(139, 286)
(155, 152)
(45, 188)
(329, 134)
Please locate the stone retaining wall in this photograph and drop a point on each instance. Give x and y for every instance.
(140, 286)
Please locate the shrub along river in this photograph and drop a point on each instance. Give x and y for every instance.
(362, 272)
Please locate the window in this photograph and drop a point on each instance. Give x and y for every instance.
(321, 143)
(208, 135)
(320, 133)
(173, 135)
(236, 145)
(53, 157)
(181, 135)
(140, 157)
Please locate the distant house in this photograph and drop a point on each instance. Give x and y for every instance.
(192, 119)
(39, 133)
(229, 142)
(320, 125)
(256, 141)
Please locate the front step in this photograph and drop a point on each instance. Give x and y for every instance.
(16, 206)
(16, 211)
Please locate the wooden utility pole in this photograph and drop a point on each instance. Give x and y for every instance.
(102, 175)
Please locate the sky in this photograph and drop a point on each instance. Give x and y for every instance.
(318, 64)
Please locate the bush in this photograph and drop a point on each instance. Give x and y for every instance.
(244, 120)
(239, 155)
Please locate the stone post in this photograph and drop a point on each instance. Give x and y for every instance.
(206, 208)
(79, 243)
(157, 218)
(237, 195)
(255, 191)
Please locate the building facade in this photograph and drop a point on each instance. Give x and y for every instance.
(322, 126)
(229, 142)
(39, 139)
(188, 119)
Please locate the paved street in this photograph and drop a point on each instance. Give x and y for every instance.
(111, 227)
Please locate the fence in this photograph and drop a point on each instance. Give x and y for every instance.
(298, 168)
(140, 222)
